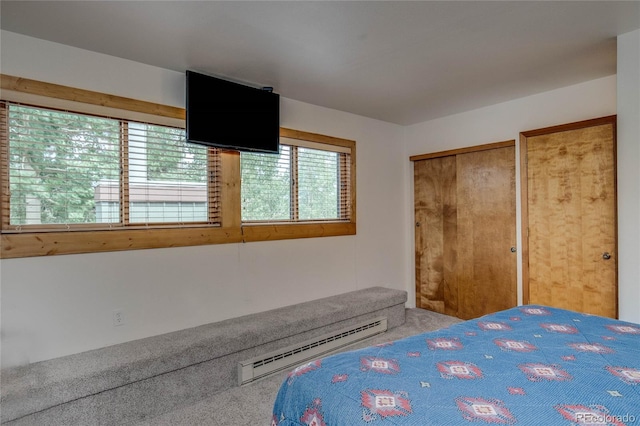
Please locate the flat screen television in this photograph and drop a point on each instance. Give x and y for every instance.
(230, 115)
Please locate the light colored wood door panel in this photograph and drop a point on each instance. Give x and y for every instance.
(571, 215)
(486, 232)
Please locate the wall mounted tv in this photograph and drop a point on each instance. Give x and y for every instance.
(229, 115)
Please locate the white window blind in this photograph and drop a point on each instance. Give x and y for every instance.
(167, 177)
(266, 186)
(71, 170)
(305, 182)
(56, 160)
(318, 184)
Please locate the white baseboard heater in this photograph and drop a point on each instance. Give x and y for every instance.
(261, 366)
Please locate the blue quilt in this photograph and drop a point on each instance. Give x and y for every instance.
(531, 365)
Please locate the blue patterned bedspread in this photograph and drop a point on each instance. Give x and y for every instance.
(530, 365)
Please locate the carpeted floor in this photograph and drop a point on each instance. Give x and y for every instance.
(251, 404)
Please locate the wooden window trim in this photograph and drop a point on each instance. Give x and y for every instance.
(448, 153)
(56, 91)
(231, 230)
(256, 231)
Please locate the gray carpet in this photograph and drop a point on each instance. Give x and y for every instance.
(251, 404)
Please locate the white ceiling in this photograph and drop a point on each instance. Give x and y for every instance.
(401, 62)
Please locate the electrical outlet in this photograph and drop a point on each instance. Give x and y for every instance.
(118, 317)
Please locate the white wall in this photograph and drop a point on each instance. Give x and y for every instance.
(629, 175)
(53, 306)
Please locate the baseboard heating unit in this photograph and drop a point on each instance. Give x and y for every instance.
(261, 366)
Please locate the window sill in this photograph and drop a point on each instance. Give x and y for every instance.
(55, 243)
(17, 245)
(271, 232)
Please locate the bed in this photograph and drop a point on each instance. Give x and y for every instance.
(531, 365)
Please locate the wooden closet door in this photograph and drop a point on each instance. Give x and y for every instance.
(486, 266)
(571, 208)
(436, 226)
(465, 229)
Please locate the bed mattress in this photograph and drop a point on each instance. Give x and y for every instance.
(531, 365)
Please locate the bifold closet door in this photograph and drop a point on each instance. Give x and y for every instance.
(466, 232)
(570, 208)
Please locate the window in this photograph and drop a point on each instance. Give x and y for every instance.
(56, 160)
(70, 170)
(305, 182)
(266, 186)
(168, 177)
(84, 172)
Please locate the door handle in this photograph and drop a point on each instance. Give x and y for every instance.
(513, 249)
(606, 255)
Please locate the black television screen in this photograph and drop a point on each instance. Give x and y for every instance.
(225, 114)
